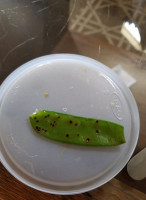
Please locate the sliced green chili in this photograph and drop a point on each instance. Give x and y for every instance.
(77, 130)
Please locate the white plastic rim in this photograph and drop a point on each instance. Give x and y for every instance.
(76, 85)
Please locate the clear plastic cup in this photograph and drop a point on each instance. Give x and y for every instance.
(71, 84)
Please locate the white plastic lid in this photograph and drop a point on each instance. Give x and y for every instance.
(71, 84)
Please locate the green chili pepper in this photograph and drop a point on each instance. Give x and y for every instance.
(77, 130)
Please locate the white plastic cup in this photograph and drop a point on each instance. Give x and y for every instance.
(76, 85)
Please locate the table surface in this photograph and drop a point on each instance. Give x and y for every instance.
(29, 29)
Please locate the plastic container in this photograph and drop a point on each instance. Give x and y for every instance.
(72, 84)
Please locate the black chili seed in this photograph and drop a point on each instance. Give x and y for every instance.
(97, 131)
(34, 117)
(88, 140)
(76, 124)
(58, 117)
(51, 124)
(37, 120)
(38, 128)
(96, 121)
(78, 134)
(46, 116)
(45, 130)
(67, 135)
(70, 121)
